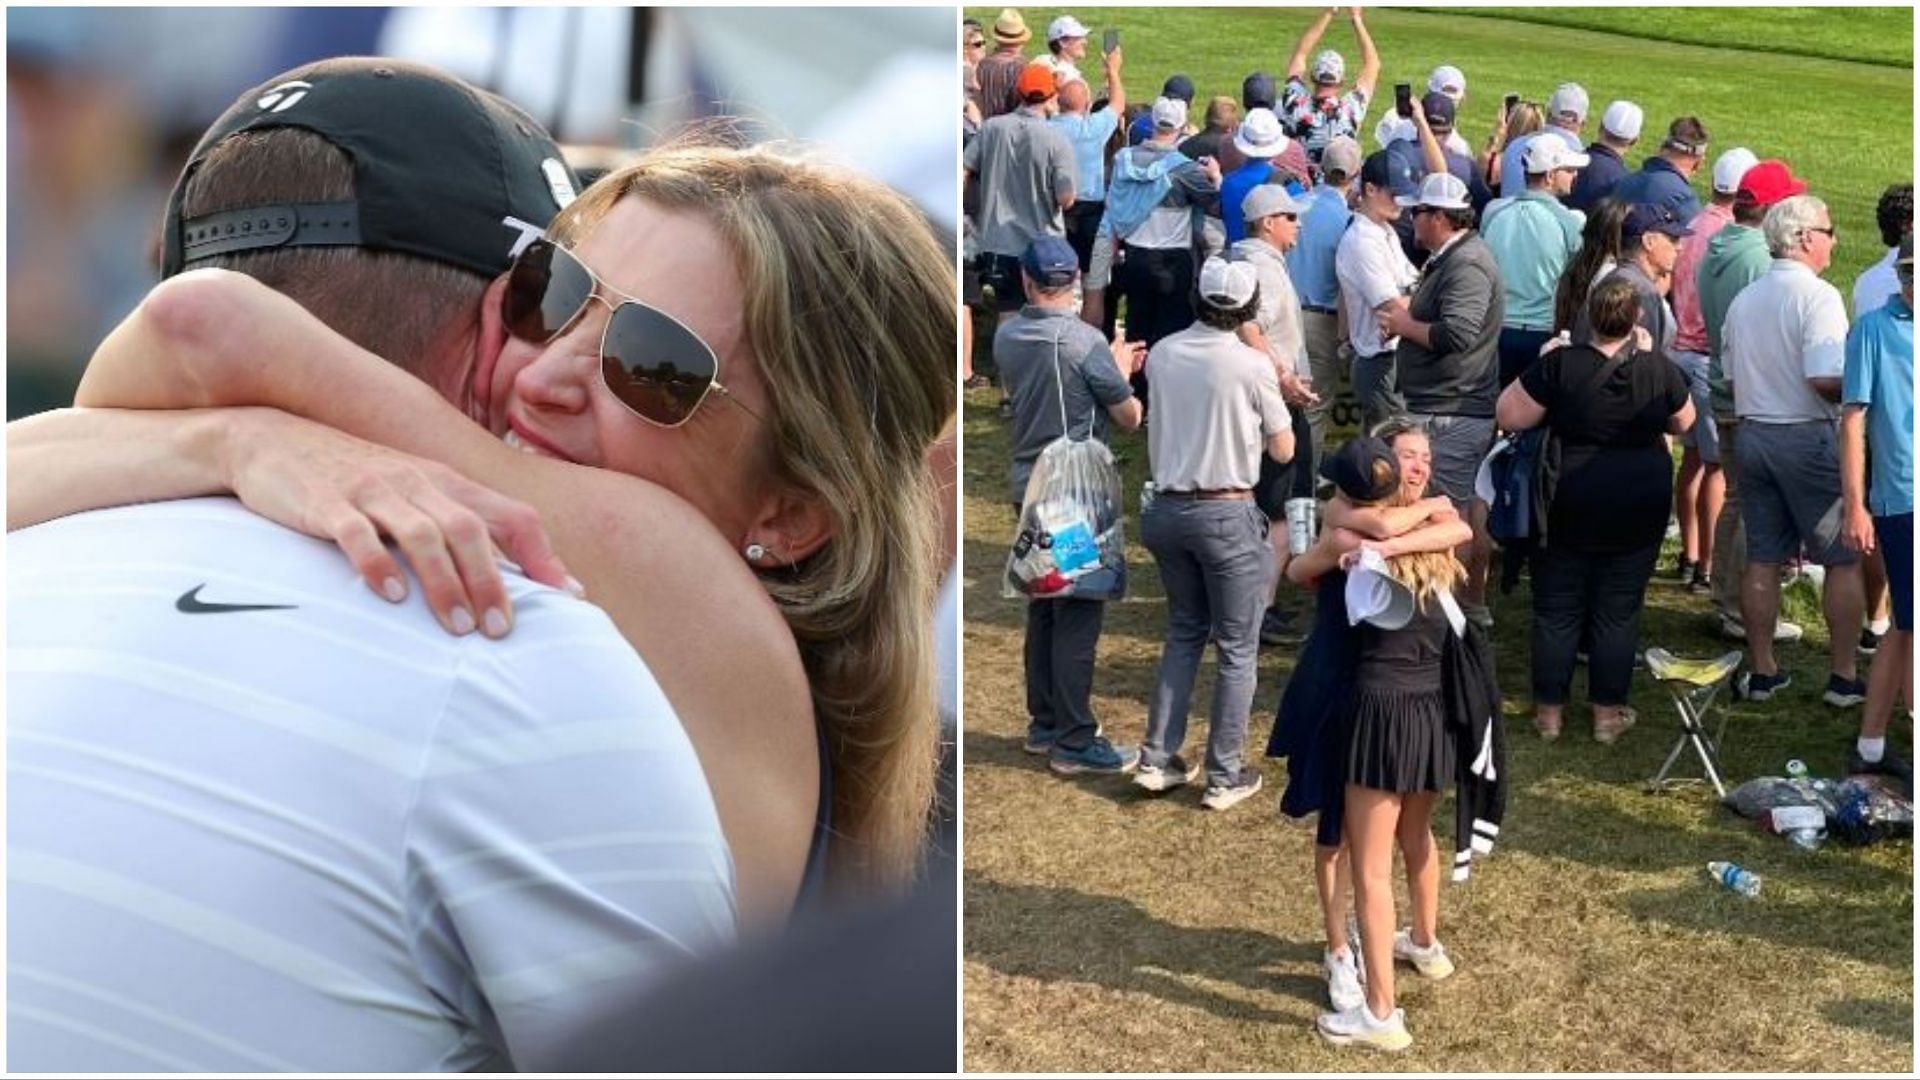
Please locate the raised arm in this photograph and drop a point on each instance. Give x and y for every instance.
(1116, 93)
(1297, 66)
(1369, 56)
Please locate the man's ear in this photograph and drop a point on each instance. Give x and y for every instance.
(792, 527)
(489, 338)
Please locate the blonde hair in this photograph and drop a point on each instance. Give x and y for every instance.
(849, 308)
(1427, 573)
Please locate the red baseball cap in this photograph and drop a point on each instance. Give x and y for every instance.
(1768, 182)
(1036, 80)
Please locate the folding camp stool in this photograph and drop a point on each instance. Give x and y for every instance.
(1693, 684)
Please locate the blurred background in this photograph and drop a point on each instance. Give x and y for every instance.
(103, 106)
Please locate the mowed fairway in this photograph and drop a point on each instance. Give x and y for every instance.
(1110, 931)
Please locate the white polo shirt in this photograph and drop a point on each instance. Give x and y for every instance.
(260, 819)
(1372, 268)
(1877, 284)
(1784, 328)
(1216, 400)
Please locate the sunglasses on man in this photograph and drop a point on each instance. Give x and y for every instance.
(649, 360)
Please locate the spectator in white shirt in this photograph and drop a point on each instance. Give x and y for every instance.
(1374, 274)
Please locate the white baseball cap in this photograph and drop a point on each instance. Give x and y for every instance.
(1266, 200)
(1260, 136)
(1730, 167)
(1568, 98)
(1548, 154)
(1441, 190)
(1226, 284)
(1169, 114)
(1066, 26)
(1328, 67)
(1375, 596)
(1449, 80)
(1622, 120)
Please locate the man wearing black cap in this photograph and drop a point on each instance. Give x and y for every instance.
(1649, 246)
(1178, 87)
(1063, 380)
(334, 822)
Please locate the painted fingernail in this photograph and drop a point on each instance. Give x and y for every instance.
(462, 621)
(496, 623)
(395, 589)
(574, 587)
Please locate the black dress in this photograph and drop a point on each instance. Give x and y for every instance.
(1398, 738)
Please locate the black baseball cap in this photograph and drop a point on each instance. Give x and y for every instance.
(1258, 92)
(1178, 86)
(1439, 109)
(1351, 468)
(1377, 169)
(442, 170)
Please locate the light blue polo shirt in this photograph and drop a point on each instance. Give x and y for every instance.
(1879, 375)
(1089, 135)
(1310, 263)
(1533, 239)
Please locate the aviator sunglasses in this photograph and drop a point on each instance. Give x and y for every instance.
(650, 361)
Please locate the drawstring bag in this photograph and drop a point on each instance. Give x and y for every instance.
(1070, 543)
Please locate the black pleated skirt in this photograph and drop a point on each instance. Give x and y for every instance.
(1399, 742)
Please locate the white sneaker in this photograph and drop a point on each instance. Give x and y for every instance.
(1431, 961)
(1343, 982)
(1175, 773)
(1783, 631)
(1359, 1027)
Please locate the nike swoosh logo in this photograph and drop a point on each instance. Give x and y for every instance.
(191, 604)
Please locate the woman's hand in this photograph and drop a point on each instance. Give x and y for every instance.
(336, 487)
(1350, 557)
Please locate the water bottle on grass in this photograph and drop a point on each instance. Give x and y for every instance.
(1735, 877)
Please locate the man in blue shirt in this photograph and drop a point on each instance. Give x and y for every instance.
(1665, 179)
(1607, 162)
(1877, 388)
(1310, 265)
(1259, 140)
(1533, 239)
(1088, 132)
(1566, 116)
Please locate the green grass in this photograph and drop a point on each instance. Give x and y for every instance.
(1109, 931)
(1867, 35)
(1847, 127)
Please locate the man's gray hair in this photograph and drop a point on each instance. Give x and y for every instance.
(1787, 223)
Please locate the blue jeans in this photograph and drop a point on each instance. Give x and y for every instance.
(1218, 573)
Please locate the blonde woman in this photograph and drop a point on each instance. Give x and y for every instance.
(767, 338)
(1391, 753)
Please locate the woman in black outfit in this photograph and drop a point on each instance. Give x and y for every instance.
(1610, 405)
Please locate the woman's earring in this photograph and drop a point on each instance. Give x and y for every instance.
(756, 552)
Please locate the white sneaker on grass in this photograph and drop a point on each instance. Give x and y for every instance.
(1343, 982)
(1175, 773)
(1359, 1027)
(1431, 961)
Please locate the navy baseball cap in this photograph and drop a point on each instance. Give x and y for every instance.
(1351, 469)
(1178, 86)
(442, 170)
(1050, 261)
(1643, 218)
(1258, 92)
(1439, 109)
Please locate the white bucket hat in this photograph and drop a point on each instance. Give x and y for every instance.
(1260, 136)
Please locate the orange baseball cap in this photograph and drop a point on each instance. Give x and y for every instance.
(1036, 82)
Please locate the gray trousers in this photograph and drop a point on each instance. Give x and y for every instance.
(1377, 388)
(1218, 573)
(1327, 354)
(1729, 533)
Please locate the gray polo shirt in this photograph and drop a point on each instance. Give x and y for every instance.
(1025, 165)
(1655, 315)
(1461, 295)
(1216, 401)
(1025, 350)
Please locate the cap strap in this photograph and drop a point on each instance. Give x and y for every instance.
(327, 224)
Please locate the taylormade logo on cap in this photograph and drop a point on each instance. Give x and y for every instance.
(285, 96)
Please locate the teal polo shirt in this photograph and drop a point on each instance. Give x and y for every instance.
(1533, 238)
(1879, 375)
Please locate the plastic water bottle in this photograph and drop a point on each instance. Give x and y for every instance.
(1148, 492)
(1735, 877)
(1796, 769)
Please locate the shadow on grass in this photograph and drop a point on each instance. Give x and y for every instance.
(1063, 935)
(1816, 922)
(1887, 1017)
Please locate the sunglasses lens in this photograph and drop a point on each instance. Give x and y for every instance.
(546, 288)
(654, 365)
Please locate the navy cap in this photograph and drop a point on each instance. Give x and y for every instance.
(1050, 261)
(1178, 86)
(442, 170)
(1377, 170)
(1643, 218)
(1439, 109)
(1351, 468)
(1258, 92)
